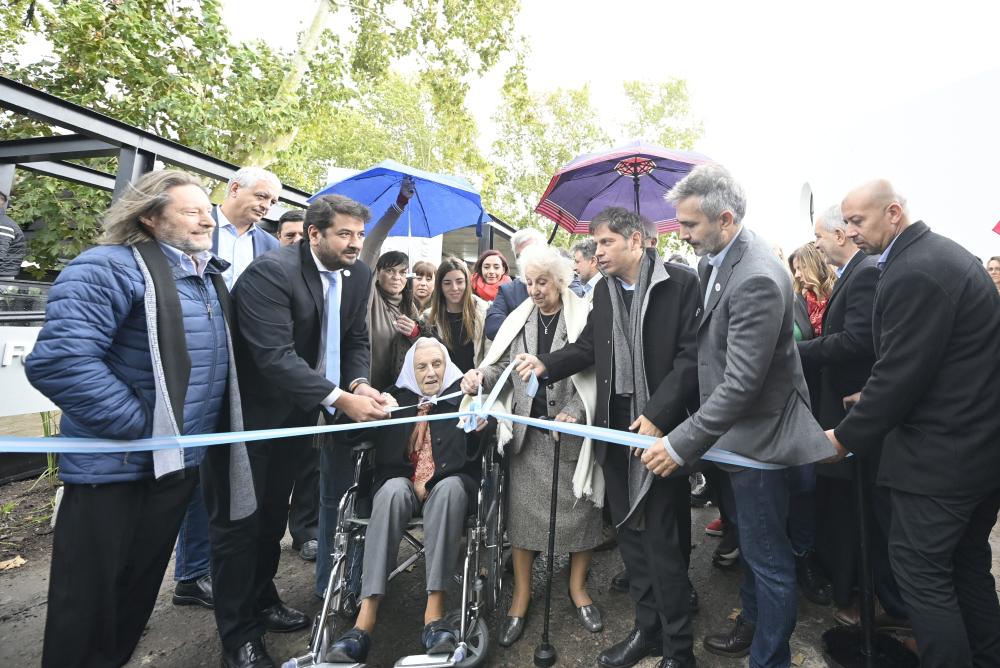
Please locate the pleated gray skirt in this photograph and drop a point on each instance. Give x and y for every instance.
(578, 521)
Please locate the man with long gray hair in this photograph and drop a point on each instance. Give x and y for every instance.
(754, 402)
(136, 344)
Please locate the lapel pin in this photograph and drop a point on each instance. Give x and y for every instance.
(717, 287)
(347, 272)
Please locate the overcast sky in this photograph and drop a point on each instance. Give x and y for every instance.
(830, 93)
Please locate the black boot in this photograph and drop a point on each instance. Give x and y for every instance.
(813, 582)
(632, 650)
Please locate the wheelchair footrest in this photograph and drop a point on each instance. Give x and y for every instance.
(426, 661)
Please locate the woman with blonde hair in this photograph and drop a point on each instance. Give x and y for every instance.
(813, 280)
(550, 318)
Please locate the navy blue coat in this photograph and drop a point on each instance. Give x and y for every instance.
(509, 297)
(92, 360)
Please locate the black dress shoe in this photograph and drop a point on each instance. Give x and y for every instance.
(734, 644)
(677, 663)
(511, 631)
(619, 582)
(632, 650)
(195, 592)
(352, 647)
(814, 584)
(251, 654)
(279, 618)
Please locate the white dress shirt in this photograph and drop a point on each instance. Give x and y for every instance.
(234, 248)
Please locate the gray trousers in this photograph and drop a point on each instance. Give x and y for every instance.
(394, 505)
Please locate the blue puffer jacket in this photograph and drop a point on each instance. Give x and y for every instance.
(92, 360)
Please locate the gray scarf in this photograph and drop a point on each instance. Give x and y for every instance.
(630, 368)
(242, 500)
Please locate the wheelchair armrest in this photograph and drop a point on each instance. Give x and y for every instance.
(363, 446)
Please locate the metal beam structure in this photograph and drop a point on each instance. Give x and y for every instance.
(63, 147)
(67, 171)
(139, 144)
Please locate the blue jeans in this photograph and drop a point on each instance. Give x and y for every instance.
(802, 510)
(336, 475)
(193, 551)
(767, 588)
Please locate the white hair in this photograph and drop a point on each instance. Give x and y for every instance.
(546, 260)
(525, 236)
(832, 219)
(247, 177)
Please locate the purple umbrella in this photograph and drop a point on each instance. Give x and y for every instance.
(635, 175)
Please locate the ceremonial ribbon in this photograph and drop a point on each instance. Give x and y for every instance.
(479, 409)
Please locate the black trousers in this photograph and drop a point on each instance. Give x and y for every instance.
(110, 550)
(940, 552)
(657, 557)
(245, 553)
(303, 510)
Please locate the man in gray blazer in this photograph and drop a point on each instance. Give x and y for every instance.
(754, 402)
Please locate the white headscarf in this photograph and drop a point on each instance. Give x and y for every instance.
(408, 377)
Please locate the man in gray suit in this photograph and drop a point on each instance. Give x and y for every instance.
(754, 402)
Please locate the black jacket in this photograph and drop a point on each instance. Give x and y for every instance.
(450, 445)
(671, 351)
(279, 325)
(934, 393)
(843, 356)
(12, 246)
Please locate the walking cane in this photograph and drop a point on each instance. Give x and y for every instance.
(860, 647)
(545, 653)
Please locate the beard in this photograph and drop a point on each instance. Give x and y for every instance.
(185, 244)
(333, 260)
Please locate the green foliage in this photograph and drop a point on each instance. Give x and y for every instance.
(540, 132)
(171, 67)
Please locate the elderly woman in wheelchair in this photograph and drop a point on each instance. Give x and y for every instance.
(421, 468)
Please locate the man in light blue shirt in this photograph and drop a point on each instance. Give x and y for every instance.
(237, 238)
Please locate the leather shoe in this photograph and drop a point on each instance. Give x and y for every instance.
(814, 584)
(352, 647)
(279, 618)
(511, 631)
(734, 644)
(620, 582)
(676, 663)
(590, 617)
(439, 638)
(636, 647)
(309, 549)
(195, 592)
(252, 654)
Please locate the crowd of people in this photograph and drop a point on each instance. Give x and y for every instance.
(880, 339)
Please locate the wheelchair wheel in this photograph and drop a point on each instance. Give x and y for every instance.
(495, 555)
(477, 641)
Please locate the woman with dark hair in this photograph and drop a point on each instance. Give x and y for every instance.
(491, 271)
(456, 315)
(392, 314)
(391, 318)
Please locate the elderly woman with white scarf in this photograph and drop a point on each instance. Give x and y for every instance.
(421, 468)
(551, 317)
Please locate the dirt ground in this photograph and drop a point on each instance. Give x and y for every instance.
(184, 637)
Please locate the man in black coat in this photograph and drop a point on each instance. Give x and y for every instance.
(843, 356)
(933, 402)
(296, 357)
(654, 528)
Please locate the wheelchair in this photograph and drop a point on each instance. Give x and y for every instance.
(481, 577)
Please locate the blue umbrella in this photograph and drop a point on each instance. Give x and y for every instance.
(441, 203)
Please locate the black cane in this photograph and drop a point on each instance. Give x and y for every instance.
(849, 647)
(545, 653)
